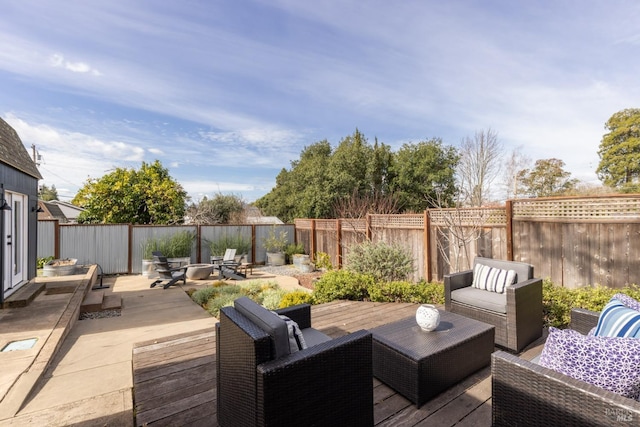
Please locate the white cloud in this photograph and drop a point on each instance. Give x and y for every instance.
(57, 61)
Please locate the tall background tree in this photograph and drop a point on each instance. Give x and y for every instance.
(48, 193)
(145, 196)
(326, 181)
(221, 209)
(302, 191)
(619, 151)
(516, 162)
(480, 161)
(546, 178)
(424, 175)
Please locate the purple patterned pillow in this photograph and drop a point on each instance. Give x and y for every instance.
(627, 301)
(607, 362)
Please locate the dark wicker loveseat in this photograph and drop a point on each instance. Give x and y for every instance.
(260, 383)
(518, 317)
(527, 394)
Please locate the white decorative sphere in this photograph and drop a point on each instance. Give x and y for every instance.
(427, 317)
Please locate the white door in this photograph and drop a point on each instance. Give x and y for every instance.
(15, 241)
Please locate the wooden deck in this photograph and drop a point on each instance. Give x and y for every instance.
(174, 378)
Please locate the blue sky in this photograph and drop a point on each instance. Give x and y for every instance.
(227, 93)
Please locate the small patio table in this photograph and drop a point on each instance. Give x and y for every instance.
(419, 365)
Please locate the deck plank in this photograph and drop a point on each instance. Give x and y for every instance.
(174, 377)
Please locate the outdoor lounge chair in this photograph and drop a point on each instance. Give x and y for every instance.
(260, 382)
(168, 276)
(516, 313)
(228, 267)
(527, 394)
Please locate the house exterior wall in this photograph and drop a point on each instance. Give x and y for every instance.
(16, 181)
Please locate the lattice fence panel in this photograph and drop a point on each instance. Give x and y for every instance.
(303, 223)
(326, 224)
(481, 217)
(588, 210)
(354, 225)
(410, 221)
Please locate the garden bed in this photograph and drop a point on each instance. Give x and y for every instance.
(307, 280)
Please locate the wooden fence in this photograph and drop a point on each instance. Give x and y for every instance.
(572, 241)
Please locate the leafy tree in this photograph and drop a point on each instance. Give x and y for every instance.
(620, 151)
(348, 166)
(322, 176)
(480, 161)
(546, 178)
(424, 175)
(48, 193)
(221, 209)
(379, 174)
(323, 180)
(145, 196)
(302, 191)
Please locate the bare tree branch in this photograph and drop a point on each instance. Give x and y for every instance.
(479, 165)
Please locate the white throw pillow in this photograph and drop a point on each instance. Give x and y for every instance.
(492, 279)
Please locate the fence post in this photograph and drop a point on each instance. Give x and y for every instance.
(198, 244)
(313, 240)
(339, 239)
(130, 246)
(426, 244)
(509, 213)
(368, 225)
(253, 243)
(56, 240)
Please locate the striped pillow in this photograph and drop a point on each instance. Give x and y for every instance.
(618, 320)
(492, 279)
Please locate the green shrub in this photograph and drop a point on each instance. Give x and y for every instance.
(223, 300)
(401, 291)
(294, 298)
(202, 295)
(432, 293)
(342, 284)
(271, 298)
(230, 290)
(558, 301)
(384, 262)
(253, 290)
(323, 261)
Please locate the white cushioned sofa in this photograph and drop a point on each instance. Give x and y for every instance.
(516, 312)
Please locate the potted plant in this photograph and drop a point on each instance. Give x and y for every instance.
(275, 245)
(294, 252)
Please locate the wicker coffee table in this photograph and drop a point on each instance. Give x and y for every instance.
(419, 365)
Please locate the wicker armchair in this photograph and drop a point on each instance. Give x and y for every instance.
(329, 383)
(521, 324)
(527, 394)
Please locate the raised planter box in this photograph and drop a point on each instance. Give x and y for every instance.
(60, 267)
(275, 258)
